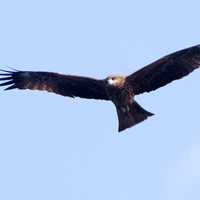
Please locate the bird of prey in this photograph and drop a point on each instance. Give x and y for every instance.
(118, 89)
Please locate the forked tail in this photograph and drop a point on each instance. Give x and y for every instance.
(130, 115)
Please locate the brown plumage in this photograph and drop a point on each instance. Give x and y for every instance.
(118, 89)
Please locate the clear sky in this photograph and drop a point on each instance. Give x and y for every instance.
(53, 147)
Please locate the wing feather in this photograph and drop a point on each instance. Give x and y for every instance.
(165, 70)
(66, 85)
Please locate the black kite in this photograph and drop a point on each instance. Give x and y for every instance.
(118, 89)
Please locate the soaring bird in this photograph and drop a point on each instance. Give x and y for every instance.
(118, 89)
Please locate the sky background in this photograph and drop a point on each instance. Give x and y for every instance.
(53, 147)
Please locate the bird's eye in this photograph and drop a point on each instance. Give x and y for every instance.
(113, 78)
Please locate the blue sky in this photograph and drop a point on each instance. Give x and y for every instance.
(53, 147)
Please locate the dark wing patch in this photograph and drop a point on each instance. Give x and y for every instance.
(165, 70)
(71, 86)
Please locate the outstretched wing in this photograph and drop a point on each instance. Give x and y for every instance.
(72, 86)
(165, 70)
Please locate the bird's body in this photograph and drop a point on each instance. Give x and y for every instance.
(121, 93)
(118, 89)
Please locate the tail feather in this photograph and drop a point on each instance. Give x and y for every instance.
(131, 115)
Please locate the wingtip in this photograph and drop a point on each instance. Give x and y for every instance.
(7, 83)
(10, 88)
(6, 71)
(7, 79)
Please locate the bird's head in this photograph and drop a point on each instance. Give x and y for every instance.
(115, 81)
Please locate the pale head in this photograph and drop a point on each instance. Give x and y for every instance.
(116, 81)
